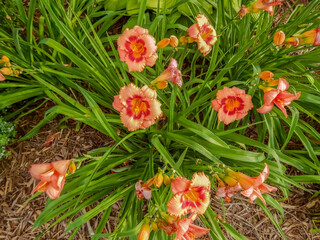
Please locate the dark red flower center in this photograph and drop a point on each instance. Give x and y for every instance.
(232, 104)
(137, 107)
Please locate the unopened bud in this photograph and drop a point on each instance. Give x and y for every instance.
(158, 180)
(166, 180)
(266, 75)
(72, 168)
(5, 59)
(144, 232)
(279, 38)
(163, 43)
(154, 226)
(174, 42)
(6, 71)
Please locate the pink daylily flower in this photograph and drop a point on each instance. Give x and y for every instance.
(255, 186)
(137, 48)
(280, 97)
(189, 196)
(144, 190)
(232, 104)
(259, 5)
(51, 176)
(172, 73)
(204, 34)
(139, 108)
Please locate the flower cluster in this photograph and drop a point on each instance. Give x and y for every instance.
(7, 68)
(309, 37)
(231, 182)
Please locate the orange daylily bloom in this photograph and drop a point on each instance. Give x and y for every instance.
(172, 73)
(144, 232)
(279, 38)
(51, 176)
(189, 196)
(232, 104)
(204, 34)
(280, 97)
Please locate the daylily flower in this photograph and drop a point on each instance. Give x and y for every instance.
(51, 176)
(144, 232)
(279, 38)
(189, 196)
(144, 190)
(259, 5)
(172, 73)
(139, 108)
(204, 34)
(280, 97)
(253, 187)
(183, 228)
(232, 104)
(137, 48)
(226, 191)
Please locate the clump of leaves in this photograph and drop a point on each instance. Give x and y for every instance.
(7, 134)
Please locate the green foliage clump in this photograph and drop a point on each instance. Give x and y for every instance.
(7, 134)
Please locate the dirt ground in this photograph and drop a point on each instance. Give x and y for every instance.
(16, 219)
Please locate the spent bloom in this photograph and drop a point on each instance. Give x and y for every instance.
(189, 196)
(172, 73)
(138, 107)
(259, 5)
(203, 33)
(144, 190)
(182, 227)
(137, 48)
(252, 187)
(232, 104)
(280, 97)
(51, 176)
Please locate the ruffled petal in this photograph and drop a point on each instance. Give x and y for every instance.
(215, 104)
(225, 117)
(61, 166)
(37, 170)
(265, 108)
(262, 176)
(148, 92)
(129, 122)
(175, 206)
(155, 110)
(150, 61)
(198, 231)
(183, 227)
(180, 184)
(200, 180)
(136, 66)
(193, 31)
(283, 84)
(117, 105)
(204, 47)
(128, 91)
(149, 44)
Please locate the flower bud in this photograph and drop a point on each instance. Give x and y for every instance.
(266, 75)
(174, 42)
(144, 232)
(158, 180)
(72, 168)
(5, 59)
(162, 84)
(6, 71)
(163, 43)
(154, 226)
(279, 38)
(166, 180)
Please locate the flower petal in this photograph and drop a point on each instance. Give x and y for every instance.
(128, 92)
(37, 170)
(200, 180)
(265, 108)
(215, 104)
(175, 206)
(52, 192)
(117, 105)
(129, 122)
(61, 166)
(283, 84)
(180, 184)
(193, 31)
